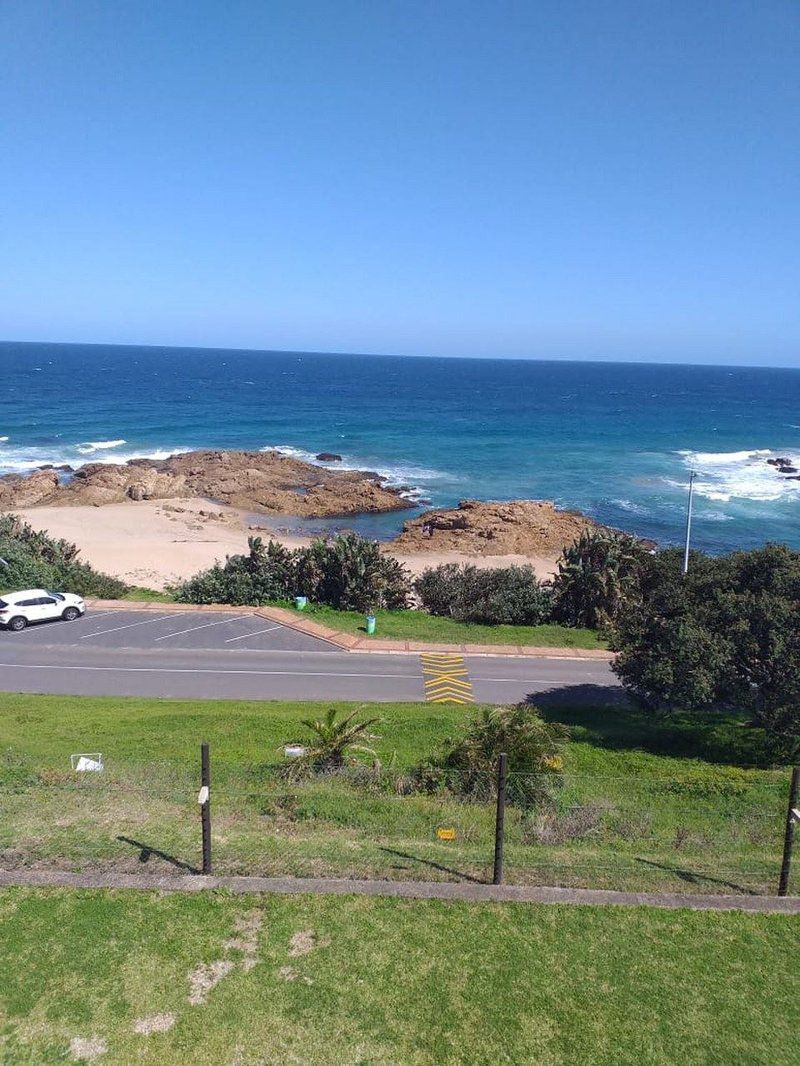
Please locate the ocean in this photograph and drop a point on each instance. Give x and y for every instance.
(615, 440)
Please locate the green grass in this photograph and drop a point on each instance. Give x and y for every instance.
(419, 625)
(142, 594)
(626, 817)
(392, 981)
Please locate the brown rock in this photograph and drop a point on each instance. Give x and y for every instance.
(519, 527)
(258, 481)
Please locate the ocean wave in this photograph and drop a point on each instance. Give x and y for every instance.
(740, 475)
(630, 507)
(22, 460)
(396, 475)
(3, 440)
(99, 446)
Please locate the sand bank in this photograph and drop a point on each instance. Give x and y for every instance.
(156, 542)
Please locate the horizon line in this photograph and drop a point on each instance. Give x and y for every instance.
(404, 355)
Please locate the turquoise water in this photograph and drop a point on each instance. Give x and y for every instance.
(614, 440)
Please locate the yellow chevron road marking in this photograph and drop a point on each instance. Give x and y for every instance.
(446, 678)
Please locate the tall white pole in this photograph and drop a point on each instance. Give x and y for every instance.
(692, 476)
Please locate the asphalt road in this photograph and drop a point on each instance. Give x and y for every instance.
(208, 656)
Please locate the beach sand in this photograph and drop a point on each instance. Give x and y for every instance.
(154, 543)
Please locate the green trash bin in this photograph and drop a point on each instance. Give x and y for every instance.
(301, 602)
(370, 621)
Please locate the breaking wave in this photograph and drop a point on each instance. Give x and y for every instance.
(742, 475)
(396, 475)
(99, 446)
(22, 460)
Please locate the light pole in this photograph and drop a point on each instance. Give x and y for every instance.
(692, 476)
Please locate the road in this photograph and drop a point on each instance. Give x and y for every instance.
(200, 656)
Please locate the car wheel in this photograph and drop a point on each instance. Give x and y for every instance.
(17, 623)
(70, 614)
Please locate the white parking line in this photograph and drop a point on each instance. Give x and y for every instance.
(205, 625)
(144, 622)
(257, 633)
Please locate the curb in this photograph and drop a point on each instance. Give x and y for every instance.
(443, 890)
(349, 642)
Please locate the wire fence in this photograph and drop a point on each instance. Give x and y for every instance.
(716, 830)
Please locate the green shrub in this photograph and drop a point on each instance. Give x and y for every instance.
(468, 766)
(346, 572)
(494, 596)
(33, 559)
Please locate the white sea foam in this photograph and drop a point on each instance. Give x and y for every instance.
(21, 460)
(3, 440)
(741, 475)
(405, 475)
(631, 507)
(99, 446)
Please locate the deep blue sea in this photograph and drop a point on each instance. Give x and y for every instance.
(615, 440)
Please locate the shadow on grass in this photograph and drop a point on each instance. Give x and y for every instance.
(434, 865)
(694, 878)
(596, 715)
(146, 853)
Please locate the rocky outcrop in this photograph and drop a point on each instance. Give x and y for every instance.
(329, 457)
(261, 481)
(519, 527)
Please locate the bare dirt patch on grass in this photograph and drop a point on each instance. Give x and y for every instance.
(86, 1049)
(154, 1023)
(205, 978)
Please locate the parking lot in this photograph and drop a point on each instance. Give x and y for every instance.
(194, 630)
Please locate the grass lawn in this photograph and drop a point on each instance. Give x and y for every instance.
(318, 980)
(636, 809)
(419, 625)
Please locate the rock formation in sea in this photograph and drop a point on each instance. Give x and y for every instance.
(262, 481)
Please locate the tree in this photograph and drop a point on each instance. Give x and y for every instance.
(598, 578)
(351, 573)
(725, 635)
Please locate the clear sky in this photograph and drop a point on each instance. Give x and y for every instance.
(570, 179)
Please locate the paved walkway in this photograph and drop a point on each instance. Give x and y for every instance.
(399, 889)
(350, 642)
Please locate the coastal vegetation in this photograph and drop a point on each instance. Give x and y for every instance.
(346, 572)
(510, 595)
(724, 635)
(30, 558)
(320, 979)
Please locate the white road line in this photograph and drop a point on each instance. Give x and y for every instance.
(144, 622)
(205, 625)
(183, 670)
(536, 680)
(257, 633)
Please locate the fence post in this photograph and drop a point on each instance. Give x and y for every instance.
(205, 805)
(788, 840)
(500, 821)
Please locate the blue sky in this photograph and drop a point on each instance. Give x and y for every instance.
(545, 179)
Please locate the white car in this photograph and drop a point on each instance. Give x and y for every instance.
(19, 609)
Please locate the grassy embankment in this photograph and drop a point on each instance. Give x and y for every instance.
(646, 804)
(322, 980)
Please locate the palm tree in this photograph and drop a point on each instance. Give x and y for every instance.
(333, 743)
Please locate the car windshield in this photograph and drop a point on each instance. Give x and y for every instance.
(57, 595)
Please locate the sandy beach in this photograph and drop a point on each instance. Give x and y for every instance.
(157, 542)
